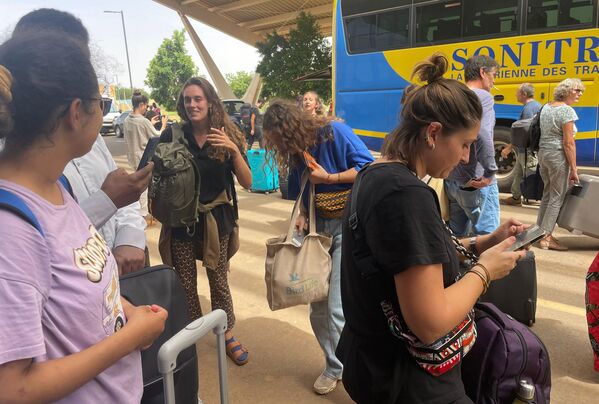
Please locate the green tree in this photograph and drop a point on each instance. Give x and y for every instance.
(169, 69)
(286, 58)
(124, 93)
(239, 82)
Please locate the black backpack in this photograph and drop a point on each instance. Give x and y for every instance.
(534, 132)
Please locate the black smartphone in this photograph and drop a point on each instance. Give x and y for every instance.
(148, 152)
(527, 237)
(467, 186)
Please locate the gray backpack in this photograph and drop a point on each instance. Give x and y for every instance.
(175, 186)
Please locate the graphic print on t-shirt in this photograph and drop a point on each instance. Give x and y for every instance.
(112, 317)
(93, 255)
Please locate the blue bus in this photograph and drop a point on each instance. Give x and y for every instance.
(376, 44)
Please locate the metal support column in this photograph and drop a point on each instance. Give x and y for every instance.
(223, 89)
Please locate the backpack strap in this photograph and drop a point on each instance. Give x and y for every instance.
(177, 134)
(67, 185)
(13, 203)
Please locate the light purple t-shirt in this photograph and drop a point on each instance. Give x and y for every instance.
(59, 294)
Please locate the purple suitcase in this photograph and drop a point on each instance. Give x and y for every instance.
(505, 352)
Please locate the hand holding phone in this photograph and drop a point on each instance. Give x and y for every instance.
(527, 237)
(310, 161)
(468, 185)
(148, 152)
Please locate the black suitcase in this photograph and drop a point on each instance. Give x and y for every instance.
(161, 285)
(532, 186)
(516, 294)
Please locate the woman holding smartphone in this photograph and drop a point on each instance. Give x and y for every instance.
(400, 263)
(67, 336)
(333, 154)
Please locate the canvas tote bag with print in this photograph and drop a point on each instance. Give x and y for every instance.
(298, 275)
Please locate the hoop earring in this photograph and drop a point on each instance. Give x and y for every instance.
(433, 146)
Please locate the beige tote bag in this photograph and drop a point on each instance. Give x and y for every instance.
(298, 275)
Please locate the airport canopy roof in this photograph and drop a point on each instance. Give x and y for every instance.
(251, 20)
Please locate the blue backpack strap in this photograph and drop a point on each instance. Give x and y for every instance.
(16, 205)
(67, 185)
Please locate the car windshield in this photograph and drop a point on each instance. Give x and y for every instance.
(233, 107)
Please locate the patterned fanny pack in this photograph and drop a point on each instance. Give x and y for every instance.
(440, 356)
(330, 205)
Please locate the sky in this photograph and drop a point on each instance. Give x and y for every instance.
(147, 24)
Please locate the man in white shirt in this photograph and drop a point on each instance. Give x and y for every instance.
(105, 194)
(103, 191)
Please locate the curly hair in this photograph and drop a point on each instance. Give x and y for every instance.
(217, 118)
(289, 131)
(565, 87)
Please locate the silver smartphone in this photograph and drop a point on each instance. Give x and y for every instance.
(527, 237)
(297, 238)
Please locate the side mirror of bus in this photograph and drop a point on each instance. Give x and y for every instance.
(499, 98)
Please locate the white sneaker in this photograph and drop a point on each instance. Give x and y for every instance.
(324, 384)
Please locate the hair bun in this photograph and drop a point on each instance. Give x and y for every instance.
(5, 85)
(137, 93)
(432, 69)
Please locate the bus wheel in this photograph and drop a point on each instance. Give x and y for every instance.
(505, 167)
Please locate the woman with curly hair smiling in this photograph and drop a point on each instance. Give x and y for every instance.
(292, 133)
(218, 148)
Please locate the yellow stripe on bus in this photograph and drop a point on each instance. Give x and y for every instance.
(381, 135)
(370, 133)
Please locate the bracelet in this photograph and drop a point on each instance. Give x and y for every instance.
(484, 268)
(338, 177)
(482, 278)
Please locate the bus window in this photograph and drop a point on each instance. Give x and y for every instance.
(360, 33)
(377, 32)
(392, 29)
(353, 7)
(438, 22)
(547, 14)
(490, 17)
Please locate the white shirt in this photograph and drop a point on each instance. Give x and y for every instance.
(86, 174)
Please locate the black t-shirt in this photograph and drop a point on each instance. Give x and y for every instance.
(401, 227)
(215, 177)
(257, 119)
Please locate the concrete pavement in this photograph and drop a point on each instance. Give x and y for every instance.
(285, 357)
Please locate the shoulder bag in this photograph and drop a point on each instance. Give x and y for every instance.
(298, 274)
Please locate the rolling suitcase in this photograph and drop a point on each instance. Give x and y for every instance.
(516, 294)
(215, 321)
(532, 185)
(579, 210)
(265, 176)
(161, 285)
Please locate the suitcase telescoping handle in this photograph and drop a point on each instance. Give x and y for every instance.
(167, 355)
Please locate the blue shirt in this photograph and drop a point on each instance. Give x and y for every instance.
(343, 152)
(482, 152)
(530, 109)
